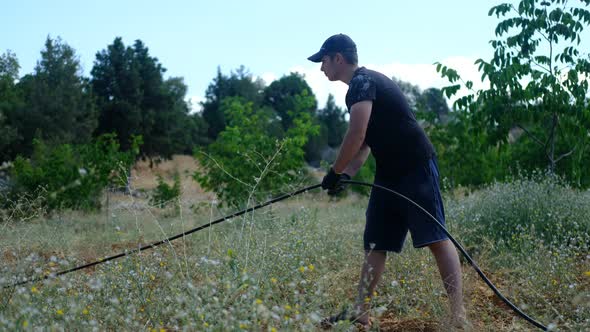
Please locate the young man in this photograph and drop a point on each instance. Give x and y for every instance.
(382, 123)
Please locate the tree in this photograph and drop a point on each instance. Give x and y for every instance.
(10, 100)
(116, 85)
(332, 119)
(135, 100)
(173, 128)
(245, 163)
(58, 103)
(429, 104)
(433, 102)
(537, 75)
(70, 176)
(411, 92)
(239, 83)
(281, 96)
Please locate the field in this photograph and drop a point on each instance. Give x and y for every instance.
(286, 266)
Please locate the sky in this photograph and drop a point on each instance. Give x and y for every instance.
(192, 39)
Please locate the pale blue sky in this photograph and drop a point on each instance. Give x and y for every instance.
(271, 38)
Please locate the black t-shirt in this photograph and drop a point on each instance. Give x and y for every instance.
(397, 141)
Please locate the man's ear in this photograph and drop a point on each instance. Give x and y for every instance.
(339, 58)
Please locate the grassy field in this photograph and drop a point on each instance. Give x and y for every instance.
(283, 268)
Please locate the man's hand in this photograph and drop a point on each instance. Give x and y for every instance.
(331, 179)
(340, 187)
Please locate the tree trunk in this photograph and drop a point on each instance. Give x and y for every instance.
(552, 143)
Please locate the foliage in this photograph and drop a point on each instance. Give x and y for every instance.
(537, 79)
(10, 100)
(135, 100)
(69, 176)
(516, 214)
(332, 119)
(466, 156)
(245, 162)
(165, 194)
(429, 103)
(282, 96)
(237, 84)
(58, 105)
(365, 174)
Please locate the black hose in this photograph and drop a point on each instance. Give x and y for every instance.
(275, 200)
(463, 251)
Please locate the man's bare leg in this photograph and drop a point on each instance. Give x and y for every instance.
(370, 275)
(449, 267)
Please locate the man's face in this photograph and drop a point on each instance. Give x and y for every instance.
(330, 67)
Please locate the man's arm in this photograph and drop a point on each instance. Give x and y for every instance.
(355, 135)
(355, 164)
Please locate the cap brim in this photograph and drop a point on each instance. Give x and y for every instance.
(316, 57)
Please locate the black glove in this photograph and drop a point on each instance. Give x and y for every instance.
(330, 180)
(340, 187)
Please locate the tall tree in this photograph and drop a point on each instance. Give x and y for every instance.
(283, 97)
(134, 99)
(412, 92)
(333, 120)
(239, 83)
(58, 103)
(10, 100)
(432, 101)
(281, 94)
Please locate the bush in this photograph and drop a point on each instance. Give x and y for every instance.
(365, 174)
(246, 162)
(525, 211)
(67, 176)
(165, 194)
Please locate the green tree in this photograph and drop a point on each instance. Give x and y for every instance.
(411, 92)
(281, 96)
(429, 104)
(135, 100)
(538, 78)
(244, 162)
(71, 176)
(433, 102)
(116, 83)
(10, 101)
(239, 83)
(333, 120)
(58, 103)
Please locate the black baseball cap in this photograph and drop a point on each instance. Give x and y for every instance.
(339, 43)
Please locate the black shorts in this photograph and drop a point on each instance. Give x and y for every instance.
(389, 217)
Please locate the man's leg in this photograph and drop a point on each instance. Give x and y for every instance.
(449, 267)
(370, 274)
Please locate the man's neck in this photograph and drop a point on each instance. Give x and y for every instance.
(349, 73)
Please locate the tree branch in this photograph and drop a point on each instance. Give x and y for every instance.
(540, 66)
(532, 136)
(564, 155)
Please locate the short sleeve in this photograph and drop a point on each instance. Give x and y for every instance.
(362, 87)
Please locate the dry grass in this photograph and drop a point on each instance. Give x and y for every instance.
(254, 273)
(145, 178)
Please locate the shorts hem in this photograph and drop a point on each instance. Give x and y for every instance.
(424, 244)
(396, 250)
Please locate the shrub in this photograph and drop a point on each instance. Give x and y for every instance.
(246, 162)
(165, 194)
(365, 174)
(69, 176)
(525, 211)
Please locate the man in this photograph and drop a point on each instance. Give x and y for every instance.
(382, 123)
